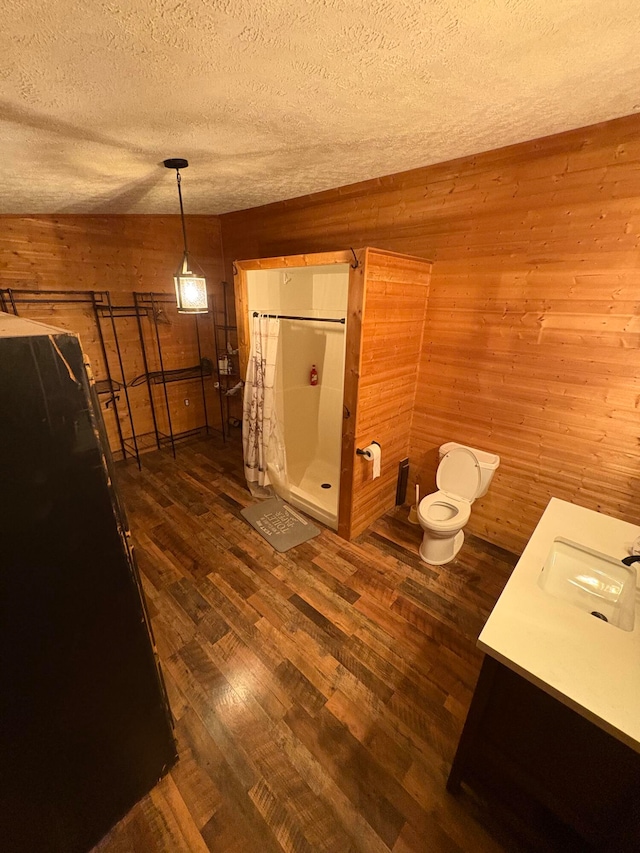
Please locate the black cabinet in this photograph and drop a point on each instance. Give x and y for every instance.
(548, 764)
(85, 726)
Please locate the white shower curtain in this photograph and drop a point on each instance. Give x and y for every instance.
(264, 454)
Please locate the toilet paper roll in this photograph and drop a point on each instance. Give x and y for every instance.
(372, 454)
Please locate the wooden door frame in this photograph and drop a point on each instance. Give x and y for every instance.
(355, 302)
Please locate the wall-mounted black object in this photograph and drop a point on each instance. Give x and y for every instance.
(362, 451)
(403, 479)
(85, 725)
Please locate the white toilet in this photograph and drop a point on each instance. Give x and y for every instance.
(463, 475)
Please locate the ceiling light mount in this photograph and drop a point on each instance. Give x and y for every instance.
(191, 290)
(176, 163)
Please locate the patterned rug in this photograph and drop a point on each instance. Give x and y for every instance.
(281, 525)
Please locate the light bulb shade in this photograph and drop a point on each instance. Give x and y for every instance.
(191, 293)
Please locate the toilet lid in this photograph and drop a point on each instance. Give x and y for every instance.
(459, 474)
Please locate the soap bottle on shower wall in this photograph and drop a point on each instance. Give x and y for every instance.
(313, 376)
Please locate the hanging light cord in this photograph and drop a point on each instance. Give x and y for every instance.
(184, 229)
(177, 163)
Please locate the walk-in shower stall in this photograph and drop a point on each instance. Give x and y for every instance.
(355, 318)
(310, 304)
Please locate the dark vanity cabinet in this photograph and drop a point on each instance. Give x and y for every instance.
(85, 726)
(548, 765)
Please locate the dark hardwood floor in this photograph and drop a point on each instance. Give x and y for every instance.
(319, 694)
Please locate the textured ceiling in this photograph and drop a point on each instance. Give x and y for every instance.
(273, 99)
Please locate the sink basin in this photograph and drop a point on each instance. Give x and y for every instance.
(593, 582)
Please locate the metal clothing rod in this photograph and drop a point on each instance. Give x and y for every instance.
(290, 317)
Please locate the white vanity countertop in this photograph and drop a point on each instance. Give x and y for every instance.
(587, 664)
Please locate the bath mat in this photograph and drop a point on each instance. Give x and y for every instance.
(280, 525)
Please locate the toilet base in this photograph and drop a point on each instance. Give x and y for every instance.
(437, 552)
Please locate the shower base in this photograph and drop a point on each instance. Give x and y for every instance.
(306, 493)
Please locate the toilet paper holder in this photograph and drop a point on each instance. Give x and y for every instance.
(361, 452)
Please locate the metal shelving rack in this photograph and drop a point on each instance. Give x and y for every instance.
(113, 313)
(226, 381)
(148, 304)
(99, 301)
(145, 304)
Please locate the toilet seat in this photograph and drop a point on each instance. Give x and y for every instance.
(431, 518)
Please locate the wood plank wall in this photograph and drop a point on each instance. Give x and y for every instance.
(395, 300)
(531, 345)
(121, 254)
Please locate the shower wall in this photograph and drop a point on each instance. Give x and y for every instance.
(311, 416)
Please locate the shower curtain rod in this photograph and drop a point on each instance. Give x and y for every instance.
(290, 317)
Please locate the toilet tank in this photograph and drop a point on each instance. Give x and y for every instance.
(488, 463)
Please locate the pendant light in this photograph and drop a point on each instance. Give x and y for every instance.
(191, 290)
